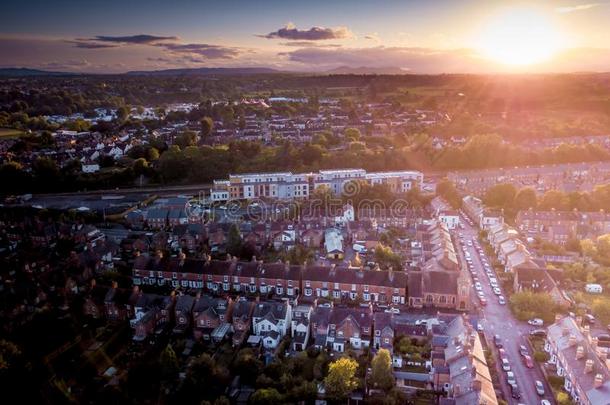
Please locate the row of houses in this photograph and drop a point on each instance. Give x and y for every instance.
(529, 273)
(578, 357)
(276, 279)
(560, 226)
(288, 185)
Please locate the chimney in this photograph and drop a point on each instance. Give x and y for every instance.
(92, 284)
(287, 265)
(594, 342)
(599, 380)
(586, 331)
(580, 352)
(228, 257)
(588, 366)
(136, 289)
(115, 284)
(579, 320)
(557, 317)
(572, 340)
(253, 258)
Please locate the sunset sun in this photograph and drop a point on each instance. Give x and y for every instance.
(519, 37)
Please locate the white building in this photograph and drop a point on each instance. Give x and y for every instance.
(451, 218)
(271, 321)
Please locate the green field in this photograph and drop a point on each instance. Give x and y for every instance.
(10, 133)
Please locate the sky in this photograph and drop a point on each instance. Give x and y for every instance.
(418, 36)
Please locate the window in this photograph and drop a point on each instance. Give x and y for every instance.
(366, 287)
(174, 275)
(307, 283)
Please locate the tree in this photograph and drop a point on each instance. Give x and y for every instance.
(140, 166)
(528, 304)
(185, 139)
(525, 199)
(122, 113)
(266, 396)
(341, 379)
(500, 195)
(603, 246)
(381, 374)
(588, 248)
(553, 199)
(352, 134)
(385, 257)
(446, 189)
(234, 241)
(206, 126)
(169, 363)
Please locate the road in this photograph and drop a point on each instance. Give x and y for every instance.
(498, 320)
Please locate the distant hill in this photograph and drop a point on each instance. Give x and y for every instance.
(205, 71)
(364, 70)
(24, 72)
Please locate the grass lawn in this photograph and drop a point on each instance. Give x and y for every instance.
(10, 133)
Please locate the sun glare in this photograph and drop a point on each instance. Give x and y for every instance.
(519, 37)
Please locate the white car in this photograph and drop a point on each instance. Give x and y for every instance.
(505, 364)
(480, 327)
(536, 322)
(510, 377)
(497, 291)
(478, 286)
(392, 310)
(501, 300)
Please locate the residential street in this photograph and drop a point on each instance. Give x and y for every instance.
(497, 319)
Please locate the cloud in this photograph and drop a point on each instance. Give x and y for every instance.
(291, 32)
(579, 7)
(91, 45)
(407, 58)
(373, 37)
(205, 50)
(141, 39)
(308, 44)
(67, 64)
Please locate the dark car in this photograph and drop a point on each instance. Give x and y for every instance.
(515, 392)
(498, 341)
(538, 333)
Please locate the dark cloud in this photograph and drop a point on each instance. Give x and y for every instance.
(202, 50)
(161, 60)
(133, 39)
(91, 45)
(292, 33)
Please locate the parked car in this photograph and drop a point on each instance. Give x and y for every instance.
(515, 392)
(538, 333)
(505, 364)
(523, 350)
(483, 301)
(536, 322)
(545, 402)
(528, 361)
(497, 291)
(510, 377)
(501, 300)
(392, 311)
(590, 319)
(498, 341)
(539, 387)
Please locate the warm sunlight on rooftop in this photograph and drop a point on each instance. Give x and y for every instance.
(519, 36)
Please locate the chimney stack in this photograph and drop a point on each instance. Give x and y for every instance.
(580, 352)
(557, 317)
(115, 284)
(588, 366)
(599, 380)
(572, 340)
(579, 320)
(594, 342)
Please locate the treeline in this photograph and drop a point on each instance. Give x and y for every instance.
(507, 197)
(489, 151)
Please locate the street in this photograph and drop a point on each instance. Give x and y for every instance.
(498, 320)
